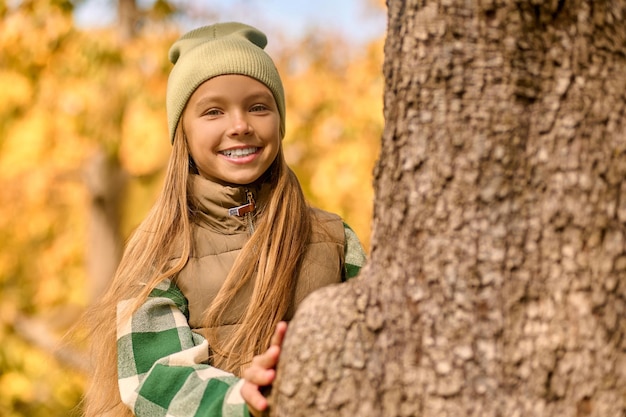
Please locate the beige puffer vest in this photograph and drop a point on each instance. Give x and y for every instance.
(219, 237)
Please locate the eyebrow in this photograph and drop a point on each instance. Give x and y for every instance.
(262, 94)
(206, 101)
(210, 99)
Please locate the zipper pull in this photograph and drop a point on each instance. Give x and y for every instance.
(244, 209)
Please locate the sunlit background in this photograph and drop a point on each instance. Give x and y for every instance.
(83, 146)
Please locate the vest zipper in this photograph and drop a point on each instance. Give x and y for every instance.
(250, 213)
(246, 210)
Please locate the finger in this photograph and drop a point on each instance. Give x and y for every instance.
(267, 359)
(279, 334)
(259, 376)
(255, 400)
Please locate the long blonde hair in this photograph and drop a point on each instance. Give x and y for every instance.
(271, 258)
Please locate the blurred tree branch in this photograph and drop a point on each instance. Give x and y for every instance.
(39, 333)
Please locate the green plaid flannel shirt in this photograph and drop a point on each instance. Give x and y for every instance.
(163, 366)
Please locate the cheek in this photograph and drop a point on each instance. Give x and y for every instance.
(198, 134)
(195, 143)
(272, 129)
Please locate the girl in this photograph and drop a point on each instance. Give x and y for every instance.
(228, 251)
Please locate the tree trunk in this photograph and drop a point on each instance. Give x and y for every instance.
(127, 17)
(495, 284)
(105, 181)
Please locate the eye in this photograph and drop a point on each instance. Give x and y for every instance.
(258, 107)
(212, 112)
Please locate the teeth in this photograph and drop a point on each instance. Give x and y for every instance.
(238, 153)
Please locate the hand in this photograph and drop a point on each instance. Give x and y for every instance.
(262, 373)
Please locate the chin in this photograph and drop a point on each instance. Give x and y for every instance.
(244, 181)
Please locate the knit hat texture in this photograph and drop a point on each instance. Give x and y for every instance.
(219, 49)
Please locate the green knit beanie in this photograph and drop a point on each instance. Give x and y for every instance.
(219, 49)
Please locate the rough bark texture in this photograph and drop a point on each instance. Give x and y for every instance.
(495, 285)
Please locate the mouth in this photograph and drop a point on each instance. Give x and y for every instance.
(240, 152)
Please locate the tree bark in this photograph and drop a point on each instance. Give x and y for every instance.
(495, 284)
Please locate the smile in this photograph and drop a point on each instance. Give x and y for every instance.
(239, 153)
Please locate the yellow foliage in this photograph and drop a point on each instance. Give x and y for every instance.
(145, 145)
(8, 310)
(28, 34)
(16, 91)
(25, 143)
(16, 386)
(334, 125)
(68, 93)
(34, 381)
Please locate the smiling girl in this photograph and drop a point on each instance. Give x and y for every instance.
(193, 321)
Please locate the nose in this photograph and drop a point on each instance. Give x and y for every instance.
(240, 125)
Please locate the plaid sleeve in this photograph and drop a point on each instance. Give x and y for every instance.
(354, 254)
(163, 366)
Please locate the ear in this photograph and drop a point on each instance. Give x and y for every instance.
(193, 169)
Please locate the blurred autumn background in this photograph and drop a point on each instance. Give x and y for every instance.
(83, 146)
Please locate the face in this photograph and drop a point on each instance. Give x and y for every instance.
(232, 126)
